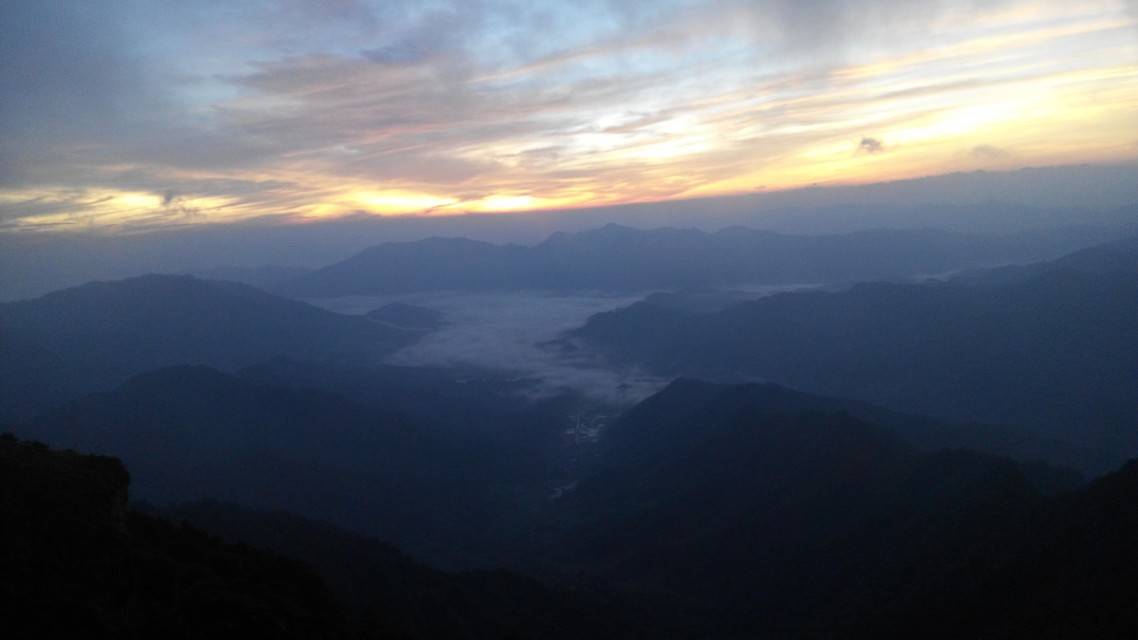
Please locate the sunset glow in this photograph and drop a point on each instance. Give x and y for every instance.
(427, 109)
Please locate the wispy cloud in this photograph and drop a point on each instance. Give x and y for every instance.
(311, 109)
(990, 152)
(870, 145)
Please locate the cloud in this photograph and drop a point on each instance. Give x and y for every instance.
(870, 145)
(990, 152)
(834, 29)
(504, 332)
(65, 78)
(291, 106)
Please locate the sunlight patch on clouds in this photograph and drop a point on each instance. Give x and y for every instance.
(399, 201)
(652, 102)
(105, 208)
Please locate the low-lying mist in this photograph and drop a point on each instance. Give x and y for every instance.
(511, 333)
(505, 332)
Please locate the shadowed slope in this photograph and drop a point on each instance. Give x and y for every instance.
(95, 336)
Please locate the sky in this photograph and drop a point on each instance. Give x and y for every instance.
(119, 115)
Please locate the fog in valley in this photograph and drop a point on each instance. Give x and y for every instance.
(509, 333)
(673, 319)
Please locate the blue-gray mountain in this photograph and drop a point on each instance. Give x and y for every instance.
(626, 259)
(1053, 352)
(713, 510)
(393, 466)
(789, 520)
(95, 336)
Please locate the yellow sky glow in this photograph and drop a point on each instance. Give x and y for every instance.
(1034, 83)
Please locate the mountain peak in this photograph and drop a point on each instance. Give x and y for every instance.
(195, 376)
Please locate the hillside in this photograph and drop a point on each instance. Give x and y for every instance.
(709, 511)
(1114, 257)
(1053, 354)
(76, 562)
(785, 518)
(95, 336)
(190, 433)
(389, 595)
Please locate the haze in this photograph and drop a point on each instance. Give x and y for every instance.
(485, 319)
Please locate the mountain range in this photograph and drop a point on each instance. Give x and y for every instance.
(95, 336)
(618, 258)
(708, 511)
(1052, 352)
(882, 459)
(80, 560)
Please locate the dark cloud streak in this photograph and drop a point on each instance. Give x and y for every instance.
(870, 145)
(244, 100)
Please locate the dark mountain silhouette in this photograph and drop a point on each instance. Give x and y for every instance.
(622, 258)
(462, 460)
(789, 521)
(1066, 570)
(1054, 354)
(690, 401)
(95, 336)
(524, 444)
(189, 433)
(76, 562)
(390, 595)
(488, 414)
(263, 277)
(713, 510)
(427, 265)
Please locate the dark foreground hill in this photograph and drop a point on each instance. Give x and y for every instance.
(190, 433)
(389, 595)
(76, 562)
(713, 511)
(1070, 576)
(95, 336)
(448, 465)
(789, 521)
(779, 514)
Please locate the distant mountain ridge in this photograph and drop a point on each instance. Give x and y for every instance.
(263, 277)
(615, 257)
(95, 336)
(693, 398)
(1053, 353)
(1114, 257)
